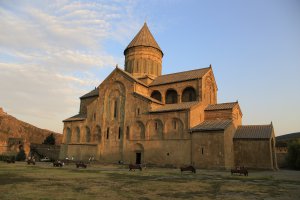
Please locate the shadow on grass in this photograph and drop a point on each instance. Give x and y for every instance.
(13, 179)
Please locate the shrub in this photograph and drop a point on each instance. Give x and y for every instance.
(50, 139)
(21, 156)
(293, 157)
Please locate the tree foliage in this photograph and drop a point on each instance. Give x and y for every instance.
(21, 156)
(50, 139)
(293, 157)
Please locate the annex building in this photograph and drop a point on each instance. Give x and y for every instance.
(138, 115)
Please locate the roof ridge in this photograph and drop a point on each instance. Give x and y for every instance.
(223, 103)
(255, 125)
(131, 76)
(184, 71)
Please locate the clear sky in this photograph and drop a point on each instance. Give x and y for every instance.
(53, 52)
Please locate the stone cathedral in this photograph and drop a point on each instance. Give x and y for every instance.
(138, 115)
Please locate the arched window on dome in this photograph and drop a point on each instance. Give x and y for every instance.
(171, 96)
(188, 94)
(156, 95)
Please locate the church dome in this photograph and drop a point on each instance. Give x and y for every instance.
(143, 38)
(143, 56)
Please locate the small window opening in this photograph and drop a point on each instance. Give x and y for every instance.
(127, 132)
(94, 116)
(174, 124)
(119, 133)
(115, 109)
(202, 150)
(156, 125)
(138, 111)
(107, 133)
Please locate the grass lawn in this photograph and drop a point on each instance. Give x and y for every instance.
(42, 181)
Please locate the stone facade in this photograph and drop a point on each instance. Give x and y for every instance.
(137, 115)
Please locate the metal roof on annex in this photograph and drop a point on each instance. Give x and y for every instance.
(212, 125)
(254, 132)
(221, 106)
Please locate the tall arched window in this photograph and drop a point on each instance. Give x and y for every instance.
(120, 133)
(98, 134)
(115, 109)
(107, 133)
(68, 136)
(156, 95)
(171, 96)
(77, 134)
(88, 134)
(188, 94)
(127, 133)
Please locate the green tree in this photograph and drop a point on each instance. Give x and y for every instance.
(293, 157)
(50, 139)
(21, 156)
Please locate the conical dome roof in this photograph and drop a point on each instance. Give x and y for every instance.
(144, 38)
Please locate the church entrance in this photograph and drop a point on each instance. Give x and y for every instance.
(138, 157)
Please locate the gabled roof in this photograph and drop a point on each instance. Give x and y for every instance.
(144, 38)
(211, 125)
(221, 106)
(254, 132)
(148, 98)
(180, 76)
(131, 76)
(174, 107)
(78, 117)
(93, 93)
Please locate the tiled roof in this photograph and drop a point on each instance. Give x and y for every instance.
(221, 106)
(254, 132)
(144, 38)
(78, 117)
(148, 98)
(93, 93)
(211, 125)
(174, 107)
(180, 76)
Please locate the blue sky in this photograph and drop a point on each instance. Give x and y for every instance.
(53, 52)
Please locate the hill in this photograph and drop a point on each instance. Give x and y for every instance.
(14, 132)
(290, 136)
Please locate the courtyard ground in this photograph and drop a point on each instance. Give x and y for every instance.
(42, 181)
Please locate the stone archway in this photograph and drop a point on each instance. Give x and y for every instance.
(139, 153)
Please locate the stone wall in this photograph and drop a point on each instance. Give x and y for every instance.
(208, 149)
(253, 153)
(228, 146)
(81, 151)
